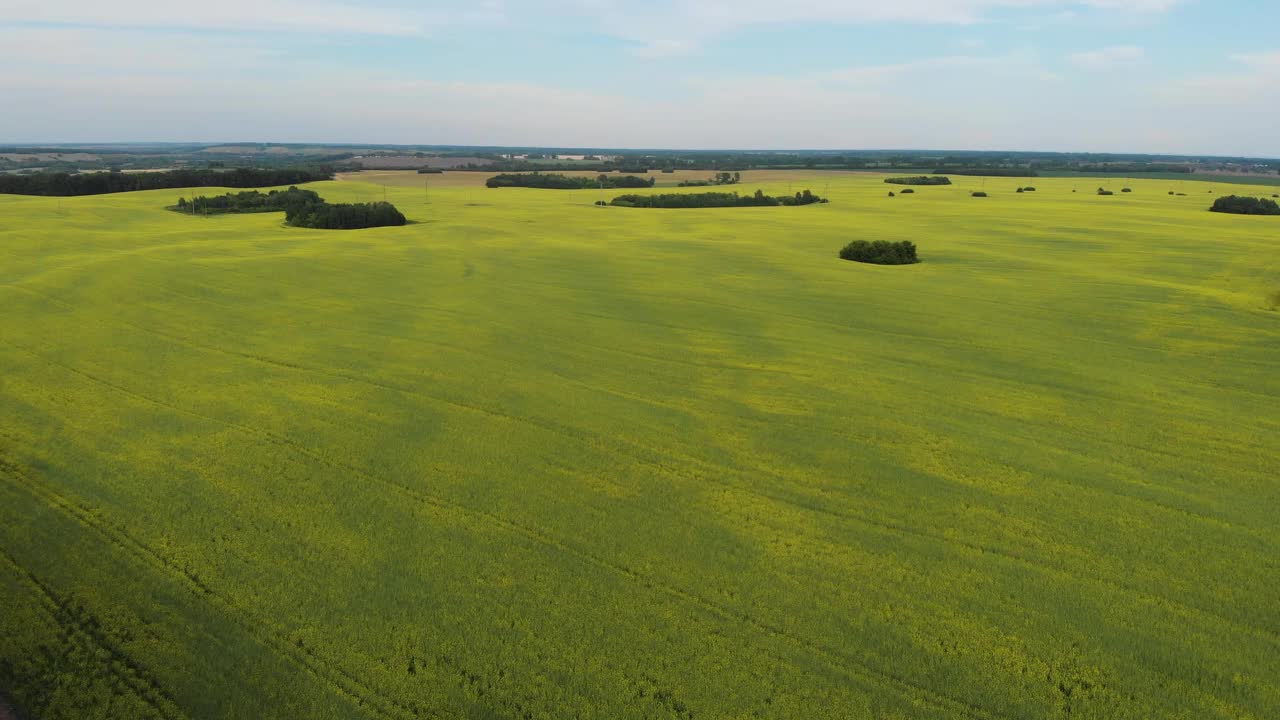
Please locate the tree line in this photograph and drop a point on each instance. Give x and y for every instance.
(103, 183)
(716, 199)
(302, 208)
(555, 181)
(919, 180)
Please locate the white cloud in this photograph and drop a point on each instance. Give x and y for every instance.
(1261, 61)
(1109, 58)
(315, 16)
(664, 27)
(92, 52)
(1135, 6)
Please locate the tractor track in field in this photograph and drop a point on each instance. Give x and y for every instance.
(338, 680)
(127, 671)
(851, 666)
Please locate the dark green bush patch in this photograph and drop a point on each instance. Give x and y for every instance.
(880, 252)
(1240, 205)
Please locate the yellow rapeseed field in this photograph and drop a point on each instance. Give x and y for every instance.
(531, 458)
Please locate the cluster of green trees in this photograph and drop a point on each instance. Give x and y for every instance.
(344, 216)
(722, 178)
(919, 180)
(302, 208)
(1240, 205)
(250, 201)
(555, 181)
(430, 171)
(1105, 192)
(880, 252)
(102, 183)
(716, 199)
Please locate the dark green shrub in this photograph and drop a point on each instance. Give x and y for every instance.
(892, 194)
(1129, 190)
(880, 252)
(908, 191)
(979, 193)
(1020, 190)
(1105, 192)
(1245, 206)
(1028, 189)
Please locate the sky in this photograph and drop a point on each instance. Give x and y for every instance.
(1158, 76)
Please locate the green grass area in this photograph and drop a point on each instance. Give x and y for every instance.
(531, 458)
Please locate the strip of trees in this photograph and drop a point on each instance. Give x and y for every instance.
(554, 181)
(302, 208)
(1240, 205)
(880, 252)
(919, 180)
(716, 199)
(250, 201)
(103, 183)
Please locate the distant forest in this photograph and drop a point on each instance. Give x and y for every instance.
(551, 181)
(102, 183)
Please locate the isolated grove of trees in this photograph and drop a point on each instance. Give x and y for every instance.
(716, 199)
(919, 180)
(302, 208)
(344, 216)
(250, 201)
(880, 252)
(1240, 205)
(102, 183)
(555, 181)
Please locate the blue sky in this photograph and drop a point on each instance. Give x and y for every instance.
(1177, 76)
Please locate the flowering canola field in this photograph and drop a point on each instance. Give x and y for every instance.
(530, 458)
